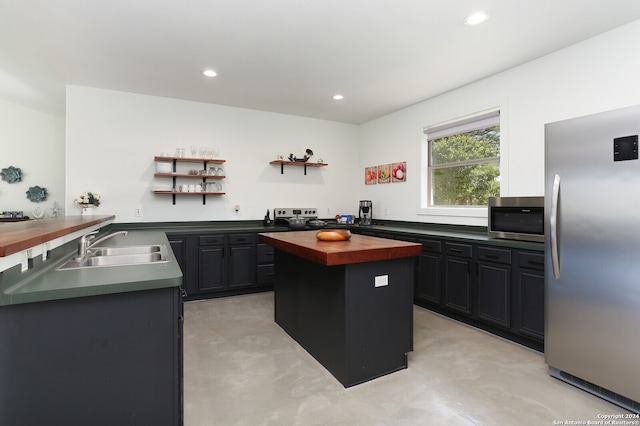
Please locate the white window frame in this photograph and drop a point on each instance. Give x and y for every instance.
(471, 212)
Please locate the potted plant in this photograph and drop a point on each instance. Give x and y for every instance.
(88, 200)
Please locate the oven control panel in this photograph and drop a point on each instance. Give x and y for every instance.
(308, 212)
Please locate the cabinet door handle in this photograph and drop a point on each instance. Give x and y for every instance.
(492, 256)
(454, 250)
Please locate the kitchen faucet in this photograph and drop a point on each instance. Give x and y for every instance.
(85, 242)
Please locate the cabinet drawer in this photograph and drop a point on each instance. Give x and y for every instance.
(211, 240)
(265, 253)
(490, 254)
(432, 246)
(241, 239)
(531, 260)
(266, 274)
(459, 250)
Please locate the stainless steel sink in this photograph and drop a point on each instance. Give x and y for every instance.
(119, 251)
(118, 256)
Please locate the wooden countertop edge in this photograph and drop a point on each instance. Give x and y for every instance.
(396, 249)
(18, 236)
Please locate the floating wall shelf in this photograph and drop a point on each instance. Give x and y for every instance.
(175, 175)
(306, 164)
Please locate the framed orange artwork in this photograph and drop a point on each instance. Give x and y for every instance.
(370, 175)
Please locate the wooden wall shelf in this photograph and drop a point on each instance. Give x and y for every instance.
(173, 175)
(306, 164)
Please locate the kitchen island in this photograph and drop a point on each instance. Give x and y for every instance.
(348, 303)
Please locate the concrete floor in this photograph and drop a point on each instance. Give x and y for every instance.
(240, 368)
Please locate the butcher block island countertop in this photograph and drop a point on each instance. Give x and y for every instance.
(358, 249)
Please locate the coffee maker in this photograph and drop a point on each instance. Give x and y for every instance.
(365, 212)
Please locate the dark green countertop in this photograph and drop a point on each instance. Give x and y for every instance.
(183, 228)
(457, 234)
(43, 282)
(477, 234)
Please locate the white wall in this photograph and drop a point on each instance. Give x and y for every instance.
(112, 138)
(32, 141)
(596, 75)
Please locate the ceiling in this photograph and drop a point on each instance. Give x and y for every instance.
(285, 56)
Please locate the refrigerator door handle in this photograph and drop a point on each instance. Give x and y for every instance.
(553, 226)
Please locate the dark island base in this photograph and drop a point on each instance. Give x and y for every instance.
(355, 330)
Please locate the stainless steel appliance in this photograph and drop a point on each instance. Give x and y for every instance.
(592, 254)
(516, 218)
(365, 212)
(295, 217)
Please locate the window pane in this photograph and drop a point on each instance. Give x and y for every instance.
(478, 144)
(468, 185)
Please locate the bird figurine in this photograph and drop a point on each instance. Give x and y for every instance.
(304, 159)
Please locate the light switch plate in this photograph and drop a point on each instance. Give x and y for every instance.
(382, 280)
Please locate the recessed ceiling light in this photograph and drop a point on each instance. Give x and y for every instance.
(476, 18)
(338, 97)
(209, 73)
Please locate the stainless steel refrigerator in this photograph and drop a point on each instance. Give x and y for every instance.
(592, 254)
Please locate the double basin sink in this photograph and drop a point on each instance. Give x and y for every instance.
(118, 256)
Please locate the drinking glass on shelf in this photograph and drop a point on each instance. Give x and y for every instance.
(194, 150)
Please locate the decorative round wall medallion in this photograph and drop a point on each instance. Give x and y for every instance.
(11, 174)
(37, 194)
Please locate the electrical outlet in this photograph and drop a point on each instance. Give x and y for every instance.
(381, 281)
(386, 212)
(328, 212)
(138, 211)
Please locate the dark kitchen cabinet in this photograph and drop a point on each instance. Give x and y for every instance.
(266, 267)
(429, 277)
(529, 295)
(226, 262)
(241, 260)
(212, 265)
(497, 289)
(458, 278)
(494, 286)
(216, 265)
(112, 359)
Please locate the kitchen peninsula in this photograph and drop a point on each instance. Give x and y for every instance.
(98, 345)
(348, 303)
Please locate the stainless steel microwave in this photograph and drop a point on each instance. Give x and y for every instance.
(516, 218)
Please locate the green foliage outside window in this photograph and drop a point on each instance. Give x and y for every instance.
(465, 168)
